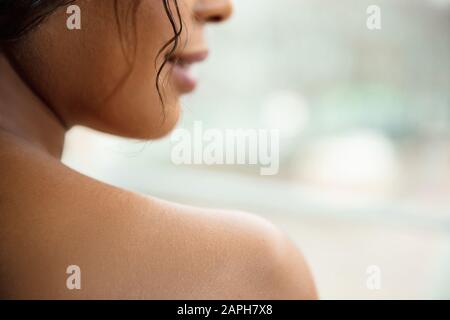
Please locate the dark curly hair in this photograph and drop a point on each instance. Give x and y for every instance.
(18, 17)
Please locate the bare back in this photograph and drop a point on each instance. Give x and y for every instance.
(130, 246)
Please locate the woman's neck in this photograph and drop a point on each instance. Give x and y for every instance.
(24, 115)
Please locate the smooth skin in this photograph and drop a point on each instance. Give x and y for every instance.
(128, 246)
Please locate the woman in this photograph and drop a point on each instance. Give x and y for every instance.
(123, 73)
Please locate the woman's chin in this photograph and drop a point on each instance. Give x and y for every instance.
(148, 126)
(151, 129)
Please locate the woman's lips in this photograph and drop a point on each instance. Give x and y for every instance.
(181, 73)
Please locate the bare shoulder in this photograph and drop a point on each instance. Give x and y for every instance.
(253, 258)
(131, 246)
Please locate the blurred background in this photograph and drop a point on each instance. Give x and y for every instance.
(364, 117)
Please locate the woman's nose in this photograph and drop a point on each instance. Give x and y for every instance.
(213, 10)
